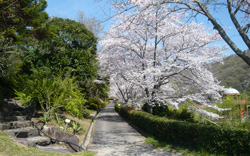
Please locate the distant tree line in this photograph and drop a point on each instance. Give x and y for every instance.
(233, 73)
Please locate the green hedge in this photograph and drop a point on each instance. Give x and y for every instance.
(212, 139)
(95, 104)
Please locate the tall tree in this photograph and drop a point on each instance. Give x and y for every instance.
(238, 10)
(92, 24)
(153, 56)
(18, 19)
(19, 16)
(70, 46)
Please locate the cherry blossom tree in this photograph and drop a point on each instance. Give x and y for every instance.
(238, 11)
(151, 56)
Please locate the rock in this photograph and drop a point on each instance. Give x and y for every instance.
(61, 135)
(33, 141)
(23, 132)
(33, 132)
(46, 129)
(52, 131)
(70, 147)
(35, 120)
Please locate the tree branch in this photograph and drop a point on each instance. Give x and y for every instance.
(237, 25)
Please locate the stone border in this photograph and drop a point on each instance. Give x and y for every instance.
(87, 138)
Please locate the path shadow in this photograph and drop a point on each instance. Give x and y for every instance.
(110, 118)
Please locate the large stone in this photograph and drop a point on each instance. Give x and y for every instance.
(59, 134)
(33, 132)
(38, 140)
(23, 132)
(73, 139)
(21, 124)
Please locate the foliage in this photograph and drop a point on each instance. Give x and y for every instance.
(51, 63)
(45, 117)
(26, 99)
(94, 104)
(53, 92)
(19, 17)
(237, 12)
(158, 58)
(71, 47)
(76, 127)
(105, 103)
(212, 139)
(168, 111)
(184, 114)
(67, 46)
(19, 22)
(58, 119)
(10, 61)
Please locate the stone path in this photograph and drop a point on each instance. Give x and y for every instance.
(112, 136)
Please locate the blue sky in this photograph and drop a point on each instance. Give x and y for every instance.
(70, 8)
(101, 10)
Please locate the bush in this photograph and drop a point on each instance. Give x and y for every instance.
(160, 109)
(105, 104)
(212, 139)
(53, 93)
(184, 114)
(94, 104)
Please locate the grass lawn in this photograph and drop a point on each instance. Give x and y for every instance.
(8, 147)
(187, 152)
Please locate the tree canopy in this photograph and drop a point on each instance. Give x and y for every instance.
(238, 10)
(153, 57)
(69, 47)
(19, 20)
(19, 16)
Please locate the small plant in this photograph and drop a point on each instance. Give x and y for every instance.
(76, 127)
(45, 118)
(58, 119)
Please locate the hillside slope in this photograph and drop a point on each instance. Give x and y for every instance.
(233, 73)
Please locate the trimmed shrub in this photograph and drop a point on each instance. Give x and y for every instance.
(184, 114)
(94, 104)
(212, 139)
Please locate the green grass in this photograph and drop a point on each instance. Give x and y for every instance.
(9, 148)
(187, 152)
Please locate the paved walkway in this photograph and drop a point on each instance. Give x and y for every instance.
(114, 137)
